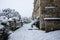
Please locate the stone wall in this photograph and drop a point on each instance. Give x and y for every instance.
(50, 13)
(36, 9)
(40, 10)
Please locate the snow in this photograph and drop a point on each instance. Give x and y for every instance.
(10, 19)
(17, 18)
(10, 32)
(28, 33)
(3, 18)
(52, 19)
(49, 7)
(37, 17)
(1, 26)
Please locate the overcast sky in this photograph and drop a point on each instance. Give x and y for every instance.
(24, 7)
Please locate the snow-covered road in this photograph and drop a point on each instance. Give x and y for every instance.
(25, 34)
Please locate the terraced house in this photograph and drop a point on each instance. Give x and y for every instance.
(48, 12)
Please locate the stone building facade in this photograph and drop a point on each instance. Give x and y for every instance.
(48, 9)
(36, 9)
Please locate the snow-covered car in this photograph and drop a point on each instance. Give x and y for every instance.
(19, 24)
(14, 23)
(26, 21)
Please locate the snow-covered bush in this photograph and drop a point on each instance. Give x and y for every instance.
(9, 13)
(10, 17)
(3, 19)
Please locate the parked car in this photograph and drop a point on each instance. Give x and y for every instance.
(26, 20)
(14, 23)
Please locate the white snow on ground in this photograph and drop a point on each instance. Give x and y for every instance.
(25, 34)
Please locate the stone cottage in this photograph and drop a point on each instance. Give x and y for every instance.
(48, 12)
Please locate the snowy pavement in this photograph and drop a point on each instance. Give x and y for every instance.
(25, 34)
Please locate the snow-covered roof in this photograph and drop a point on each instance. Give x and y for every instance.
(17, 18)
(11, 19)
